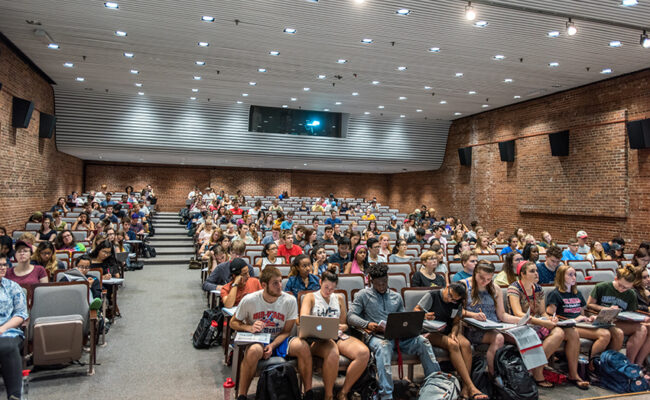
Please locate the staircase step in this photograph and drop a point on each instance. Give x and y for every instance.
(171, 237)
(166, 259)
(175, 250)
(185, 244)
(179, 230)
(168, 225)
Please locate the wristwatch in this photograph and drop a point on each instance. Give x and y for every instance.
(235, 285)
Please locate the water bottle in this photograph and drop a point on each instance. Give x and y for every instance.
(25, 388)
(229, 389)
(211, 333)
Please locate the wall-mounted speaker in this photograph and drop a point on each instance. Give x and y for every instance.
(22, 112)
(46, 127)
(507, 151)
(638, 132)
(465, 156)
(0, 85)
(559, 143)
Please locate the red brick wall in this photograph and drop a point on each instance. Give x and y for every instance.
(34, 172)
(602, 186)
(172, 182)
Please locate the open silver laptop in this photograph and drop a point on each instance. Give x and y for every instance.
(312, 326)
(122, 256)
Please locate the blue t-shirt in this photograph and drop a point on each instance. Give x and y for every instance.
(286, 225)
(545, 275)
(567, 255)
(460, 275)
(332, 222)
(295, 284)
(507, 250)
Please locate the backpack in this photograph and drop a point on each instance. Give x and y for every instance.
(278, 382)
(366, 386)
(200, 336)
(512, 380)
(148, 251)
(440, 386)
(194, 264)
(618, 374)
(480, 375)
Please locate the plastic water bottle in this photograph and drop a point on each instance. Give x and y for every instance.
(211, 333)
(229, 389)
(25, 389)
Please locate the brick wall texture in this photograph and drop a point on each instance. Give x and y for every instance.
(34, 173)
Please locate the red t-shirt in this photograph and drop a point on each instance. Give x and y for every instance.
(252, 285)
(288, 253)
(237, 211)
(33, 277)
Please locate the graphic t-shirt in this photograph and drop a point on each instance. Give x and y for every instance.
(446, 312)
(253, 308)
(606, 295)
(568, 305)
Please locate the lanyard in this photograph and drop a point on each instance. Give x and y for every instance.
(531, 306)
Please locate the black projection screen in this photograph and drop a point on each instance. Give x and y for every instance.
(295, 122)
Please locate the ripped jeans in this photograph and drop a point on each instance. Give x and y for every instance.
(383, 351)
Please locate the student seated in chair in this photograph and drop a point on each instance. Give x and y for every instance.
(80, 273)
(240, 285)
(370, 307)
(272, 311)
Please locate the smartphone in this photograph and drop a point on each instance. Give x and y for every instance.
(343, 336)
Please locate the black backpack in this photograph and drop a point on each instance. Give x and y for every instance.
(366, 386)
(480, 375)
(148, 251)
(278, 382)
(200, 338)
(512, 380)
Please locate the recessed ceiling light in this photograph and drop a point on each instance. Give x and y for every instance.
(290, 31)
(240, 102)
(192, 98)
(294, 99)
(112, 5)
(418, 110)
(457, 113)
(306, 89)
(403, 11)
(553, 34)
(629, 3)
(274, 53)
(554, 64)
(135, 71)
(366, 41)
(367, 112)
(443, 101)
(427, 87)
(326, 109)
(207, 18)
(252, 83)
(401, 68)
(195, 90)
(645, 42)
(499, 57)
(141, 93)
(485, 105)
(471, 92)
(285, 106)
(459, 74)
(434, 49)
(138, 84)
(516, 96)
(355, 93)
(197, 78)
(376, 82)
(380, 107)
(68, 65)
(53, 46)
(203, 44)
(402, 97)
(129, 55)
(507, 80)
(338, 103)
(322, 76)
(199, 63)
(341, 61)
(402, 116)
(244, 94)
(606, 71)
(80, 79)
(615, 43)
(120, 33)
(481, 24)
(261, 70)
(359, 1)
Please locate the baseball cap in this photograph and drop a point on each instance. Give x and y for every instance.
(236, 266)
(394, 218)
(20, 244)
(581, 235)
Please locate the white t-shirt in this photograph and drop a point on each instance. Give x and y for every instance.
(253, 308)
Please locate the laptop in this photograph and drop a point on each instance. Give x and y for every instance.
(312, 326)
(605, 319)
(122, 256)
(403, 325)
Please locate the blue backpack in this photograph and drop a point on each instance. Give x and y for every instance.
(618, 374)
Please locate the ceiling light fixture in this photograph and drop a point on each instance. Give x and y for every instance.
(112, 5)
(507, 80)
(293, 99)
(516, 96)
(366, 113)
(418, 110)
(138, 84)
(80, 79)
(338, 103)
(606, 71)
(615, 43)
(470, 14)
(381, 107)
(571, 28)
(443, 101)
(141, 93)
(195, 90)
(129, 55)
(645, 41)
(240, 102)
(306, 89)
(481, 24)
(326, 109)
(199, 63)
(471, 92)
(401, 68)
(207, 18)
(252, 83)
(426, 87)
(285, 106)
(135, 71)
(53, 46)
(261, 70)
(197, 78)
(459, 74)
(457, 113)
(553, 34)
(402, 116)
(68, 65)
(366, 41)
(322, 76)
(403, 11)
(376, 82)
(120, 33)
(485, 105)
(341, 61)
(499, 57)
(355, 93)
(274, 53)
(629, 3)
(192, 98)
(290, 31)
(434, 49)
(243, 94)
(554, 64)
(203, 44)
(402, 97)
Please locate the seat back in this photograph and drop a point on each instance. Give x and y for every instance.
(60, 298)
(585, 289)
(489, 257)
(607, 264)
(412, 296)
(284, 269)
(602, 275)
(580, 265)
(350, 282)
(397, 281)
(403, 268)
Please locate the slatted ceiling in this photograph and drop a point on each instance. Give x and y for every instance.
(173, 131)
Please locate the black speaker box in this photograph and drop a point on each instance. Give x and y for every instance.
(507, 151)
(638, 132)
(46, 127)
(465, 155)
(22, 112)
(559, 143)
(0, 85)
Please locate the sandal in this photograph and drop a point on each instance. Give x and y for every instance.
(544, 384)
(579, 383)
(479, 396)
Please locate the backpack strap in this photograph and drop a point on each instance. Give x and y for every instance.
(400, 363)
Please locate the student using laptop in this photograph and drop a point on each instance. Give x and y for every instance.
(272, 311)
(567, 302)
(370, 307)
(446, 305)
(326, 303)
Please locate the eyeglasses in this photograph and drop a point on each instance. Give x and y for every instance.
(4, 265)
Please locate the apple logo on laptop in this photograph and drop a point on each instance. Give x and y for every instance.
(319, 328)
(405, 324)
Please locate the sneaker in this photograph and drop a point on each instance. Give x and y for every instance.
(242, 397)
(96, 304)
(309, 395)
